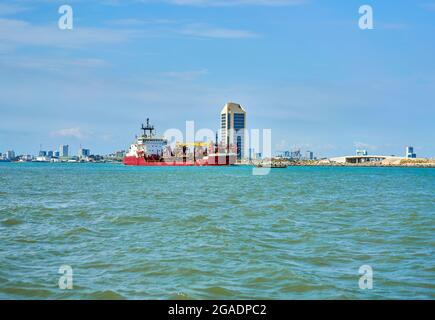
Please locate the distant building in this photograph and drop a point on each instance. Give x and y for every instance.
(309, 155)
(361, 153)
(409, 153)
(296, 154)
(10, 155)
(363, 159)
(26, 157)
(64, 151)
(233, 125)
(251, 154)
(42, 153)
(84, 153)
(285, 154)
(56, 154)
(120, 154)
(50, 154)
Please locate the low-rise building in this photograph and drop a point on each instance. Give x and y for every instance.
(409, 153)
(309, 155)
(84, 153)
(358, 159)
(361, 153)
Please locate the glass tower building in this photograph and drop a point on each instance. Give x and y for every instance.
(233, 125)
(64, 150)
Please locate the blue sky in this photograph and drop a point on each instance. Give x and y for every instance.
(302, 68)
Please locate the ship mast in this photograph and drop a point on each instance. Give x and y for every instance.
(149, 128)
(216, 146)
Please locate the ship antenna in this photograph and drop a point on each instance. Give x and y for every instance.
(148, 128)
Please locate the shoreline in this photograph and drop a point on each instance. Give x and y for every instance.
(267, 165)
(322, 163)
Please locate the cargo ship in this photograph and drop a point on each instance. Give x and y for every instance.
(150, 150)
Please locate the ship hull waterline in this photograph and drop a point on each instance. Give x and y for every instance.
(140, 161)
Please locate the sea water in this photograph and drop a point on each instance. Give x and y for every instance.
(215, 233)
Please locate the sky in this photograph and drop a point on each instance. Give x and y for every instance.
(302, 68)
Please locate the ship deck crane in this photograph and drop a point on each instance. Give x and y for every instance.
(193, 144)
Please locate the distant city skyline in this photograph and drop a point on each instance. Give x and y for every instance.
(301, 68)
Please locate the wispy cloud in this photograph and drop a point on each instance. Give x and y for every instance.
(19, 32)
(8, 9)
(393, 26)
(205, 31)
(15, 33)
(186, 75)
(53, 64)
(428, 5)
(198, 3)
(131, 22)
(170, 27)
(232, 3)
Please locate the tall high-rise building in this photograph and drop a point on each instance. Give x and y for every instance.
(233, 125)
(10, 155)
(64, 150)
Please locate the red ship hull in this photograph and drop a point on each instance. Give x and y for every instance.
(214, 161)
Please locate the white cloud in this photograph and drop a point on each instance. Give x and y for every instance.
(70, 133)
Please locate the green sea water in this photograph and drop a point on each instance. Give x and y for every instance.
(215, 233)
